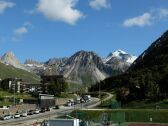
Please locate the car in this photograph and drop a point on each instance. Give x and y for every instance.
(77, 100)
(36, 111)
(47, 109)
(6, 117)
(42, 110)
(17, 115)
(82, 100)
(72, 102)
(68, 104)
(24, 114)
(30, 112)
(87, 98)
(57, 107)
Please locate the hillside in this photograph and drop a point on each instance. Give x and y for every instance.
(7, 71)
(146, 78)
(155, 56)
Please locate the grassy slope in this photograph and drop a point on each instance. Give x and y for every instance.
(11, 72)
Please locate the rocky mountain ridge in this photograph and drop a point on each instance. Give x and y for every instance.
(82, 67)
(10, 59)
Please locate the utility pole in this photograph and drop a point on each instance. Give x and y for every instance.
(14, 94)
(14, 86)
(99, 92)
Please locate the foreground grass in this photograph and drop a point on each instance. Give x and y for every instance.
(126, 115)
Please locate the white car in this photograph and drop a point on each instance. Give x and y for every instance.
(24, 114)
(6, 117)
(72, 102)
(77, 100)
(17, 115)
(69, 104)
(36, 111)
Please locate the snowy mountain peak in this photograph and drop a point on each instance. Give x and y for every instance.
(120, 55)
(117, 53)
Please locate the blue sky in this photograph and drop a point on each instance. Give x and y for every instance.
(42, 29)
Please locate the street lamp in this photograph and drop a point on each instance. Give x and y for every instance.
(99, 92)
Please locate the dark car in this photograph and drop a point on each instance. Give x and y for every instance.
(57, 107)
(47, 109)
(30, 112)
(42, 110)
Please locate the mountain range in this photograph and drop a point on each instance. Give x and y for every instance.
(82, 67)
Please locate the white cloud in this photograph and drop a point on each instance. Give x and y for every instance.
(98, 4)
(60, 10)
(28, 24)
(143, 20)
(20, 31)
(153, 16)
(163, 13)
(4, 5)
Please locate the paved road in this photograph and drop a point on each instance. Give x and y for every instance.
(109, 96)
(27, 121)
(31, 118)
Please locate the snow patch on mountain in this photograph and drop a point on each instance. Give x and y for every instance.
(131, 59)
(120, 55)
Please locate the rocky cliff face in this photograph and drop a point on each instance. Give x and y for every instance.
(10, 59)
(86, 67)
